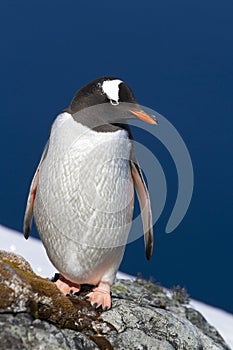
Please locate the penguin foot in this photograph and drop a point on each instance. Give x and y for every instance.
(66, 286)
(100, 296)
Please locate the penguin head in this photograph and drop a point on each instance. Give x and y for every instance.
(109, 96)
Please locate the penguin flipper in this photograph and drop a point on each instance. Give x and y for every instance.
(144, 201)
(27, 223)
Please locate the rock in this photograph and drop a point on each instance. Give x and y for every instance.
(35, 315)
(21, 332)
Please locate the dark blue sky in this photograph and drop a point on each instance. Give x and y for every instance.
(177, 57)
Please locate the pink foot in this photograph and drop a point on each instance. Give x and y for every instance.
(65, 286)
(100, 296)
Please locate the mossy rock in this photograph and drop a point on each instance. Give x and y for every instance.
(144, 316)
(21, 290)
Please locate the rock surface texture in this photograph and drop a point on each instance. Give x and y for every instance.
(35, 315)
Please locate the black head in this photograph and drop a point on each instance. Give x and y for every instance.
(102, 90)
(106, 100)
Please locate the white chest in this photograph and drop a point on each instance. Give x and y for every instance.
(85, 183)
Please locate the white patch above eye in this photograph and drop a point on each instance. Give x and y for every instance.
(111, 89)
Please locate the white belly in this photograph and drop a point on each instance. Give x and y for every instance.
(84, 202)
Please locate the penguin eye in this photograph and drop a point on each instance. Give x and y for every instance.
(114, 102)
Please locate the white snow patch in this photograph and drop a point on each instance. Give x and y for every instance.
(32, 250)
(220, 319)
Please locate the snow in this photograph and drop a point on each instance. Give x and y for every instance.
(33, 251)
(220, 319)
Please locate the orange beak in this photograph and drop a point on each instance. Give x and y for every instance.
(144, 117)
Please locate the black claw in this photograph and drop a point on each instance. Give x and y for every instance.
(55, 277)
(95, 305)
(105, 308)
(71, 292)
(86, 297)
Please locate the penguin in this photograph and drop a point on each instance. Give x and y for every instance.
(82, 194)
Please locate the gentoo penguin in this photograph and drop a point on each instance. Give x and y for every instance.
(82, 193)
